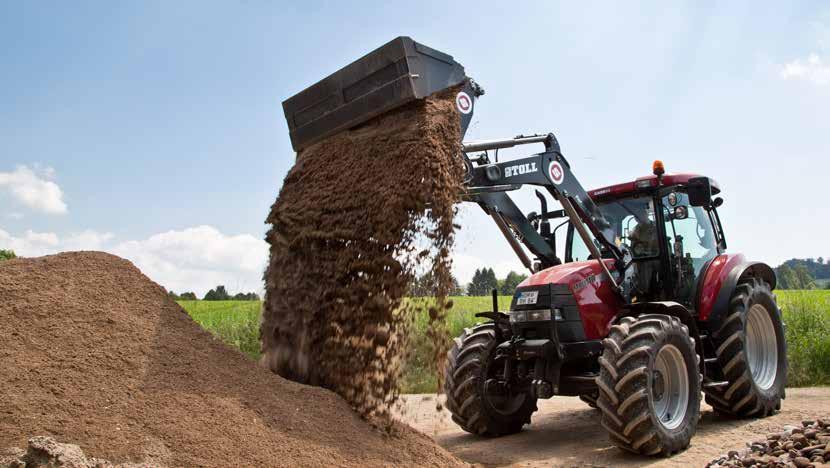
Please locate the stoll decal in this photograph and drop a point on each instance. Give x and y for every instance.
(519, 169)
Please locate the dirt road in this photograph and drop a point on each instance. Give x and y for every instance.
(567, 432)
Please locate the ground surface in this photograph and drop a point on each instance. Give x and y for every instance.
(93, 353)
(566, 432)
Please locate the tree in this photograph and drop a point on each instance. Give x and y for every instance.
(219, 294)
(424, 286)
(246, 297)
(511, 281)
(786, 277)
(173, 295)
(188, 296)
(7, 255)
(484, 281)
(798, 277)
(805, 279)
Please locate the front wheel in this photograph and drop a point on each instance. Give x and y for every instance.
(469, 365)
(649, 385)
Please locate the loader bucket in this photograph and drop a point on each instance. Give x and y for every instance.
(394, 74)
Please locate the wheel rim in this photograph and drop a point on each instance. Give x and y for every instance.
(761, 346)
(670, 387)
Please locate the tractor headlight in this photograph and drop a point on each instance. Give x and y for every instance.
(518, 316)
(530, 315)
(538, 315)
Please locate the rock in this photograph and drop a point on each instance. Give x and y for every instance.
(788, 445)
(798, 430)
(801, 462)
(758, 447)
(732, 454)
(749, 461)
(774, 436)
(807, 423)
(46, 451)
(811, 433)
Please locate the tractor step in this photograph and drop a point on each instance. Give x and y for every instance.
(710, 360)
(714, 384)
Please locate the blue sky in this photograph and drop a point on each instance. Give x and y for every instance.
(154, 130)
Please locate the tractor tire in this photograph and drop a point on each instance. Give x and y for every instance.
(468, 367)
(752, 352)
(590, 399)
(649, 385)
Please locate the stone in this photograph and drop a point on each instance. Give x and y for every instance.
(801, 462)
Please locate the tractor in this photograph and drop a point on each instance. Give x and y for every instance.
(639, 311)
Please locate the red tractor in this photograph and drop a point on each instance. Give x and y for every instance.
(639, 311)
(646, 312)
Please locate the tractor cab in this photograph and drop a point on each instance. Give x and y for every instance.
(670, 229)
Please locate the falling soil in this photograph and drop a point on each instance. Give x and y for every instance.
(95, 354)
(357, 216)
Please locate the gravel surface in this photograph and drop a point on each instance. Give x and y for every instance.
(565, 432)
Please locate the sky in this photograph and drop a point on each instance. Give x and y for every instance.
(154, 130)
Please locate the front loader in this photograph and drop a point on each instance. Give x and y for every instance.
(638, 308)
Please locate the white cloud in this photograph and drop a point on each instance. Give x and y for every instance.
(33, 190)
(14, 215)
(198, 259)
(813, 69)
(194, 259)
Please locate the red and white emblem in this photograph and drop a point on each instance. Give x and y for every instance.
(556, 173)
(463, 102)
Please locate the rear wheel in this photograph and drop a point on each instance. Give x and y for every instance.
(752, 353)
(469, 365)
(649, 385)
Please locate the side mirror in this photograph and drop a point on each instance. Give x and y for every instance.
(717, 202)
(681, 212)
(699, 190)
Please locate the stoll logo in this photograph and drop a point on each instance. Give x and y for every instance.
(527, 168)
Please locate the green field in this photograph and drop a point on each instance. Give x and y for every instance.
(806, 313)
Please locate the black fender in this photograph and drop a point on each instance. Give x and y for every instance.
(747, 269)
(673, 309)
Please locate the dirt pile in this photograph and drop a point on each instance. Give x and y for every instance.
(357, 215)
(95, 354)
(801, 447)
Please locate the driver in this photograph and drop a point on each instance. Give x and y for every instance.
(643, 241)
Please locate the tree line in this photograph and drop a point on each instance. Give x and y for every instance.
(804, 273)
(219, 293)
(483, 282)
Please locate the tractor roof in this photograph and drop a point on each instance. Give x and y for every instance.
(628, 188)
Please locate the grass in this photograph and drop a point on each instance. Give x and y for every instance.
(806, 314)
(235, 322)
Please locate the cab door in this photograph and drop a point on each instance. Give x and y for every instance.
(691, 243)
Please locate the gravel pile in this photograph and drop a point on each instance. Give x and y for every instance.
(800, 447)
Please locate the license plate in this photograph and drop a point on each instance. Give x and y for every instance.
(528, 297)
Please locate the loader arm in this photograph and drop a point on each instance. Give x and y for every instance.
(488, 184)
